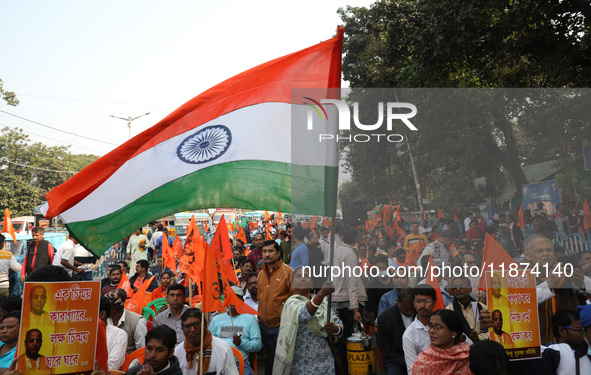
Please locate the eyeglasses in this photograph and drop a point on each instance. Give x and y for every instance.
(435, 326)
(580, 329)
(192, 326)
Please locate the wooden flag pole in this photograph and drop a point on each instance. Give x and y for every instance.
(330, 263)
(190, 291)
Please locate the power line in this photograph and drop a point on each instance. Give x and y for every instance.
(93, 101)
(59, 130)
(36, 168)
(55, 140)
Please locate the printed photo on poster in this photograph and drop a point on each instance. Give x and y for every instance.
(58, 328)
(514, 313)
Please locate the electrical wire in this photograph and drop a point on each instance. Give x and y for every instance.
(93, 101)
(60, 130)
(36, 168)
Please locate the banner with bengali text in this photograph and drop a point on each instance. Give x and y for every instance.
(512, 302)
(58, 330)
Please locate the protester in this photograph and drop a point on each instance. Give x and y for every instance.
(171, 317)
(9, 330)
(142, 275)
(116, 337)
(300, 254)
(7, 262)
(274, 288)
(488, 358)
(239, 330)
(448, 354)
(416, 336)
(474, 323)
(251, 297)
(218, 357)
(165, 280)
(305, 323)
(133, 324)
(256, 249)
(39, 253)
(114, 279)
(136, 247)
(392, 324)
(159, 355)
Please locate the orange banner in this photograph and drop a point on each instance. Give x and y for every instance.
(64, 317)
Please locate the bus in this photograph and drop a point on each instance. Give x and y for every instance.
(229, 214)
(182, 220)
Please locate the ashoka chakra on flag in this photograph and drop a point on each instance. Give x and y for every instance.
(205, 145)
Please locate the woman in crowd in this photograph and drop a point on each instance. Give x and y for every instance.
(302, 347)
(165, 279)
(448, 354)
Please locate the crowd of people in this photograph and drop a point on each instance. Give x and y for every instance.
(419, 329)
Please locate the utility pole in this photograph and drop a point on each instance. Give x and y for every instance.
(414, 170)
(129, 120)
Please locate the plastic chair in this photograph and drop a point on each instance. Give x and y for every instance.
(157, 303)
(137, 354)
(148, 313)
(238, 355)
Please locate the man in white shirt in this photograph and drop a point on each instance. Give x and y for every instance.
(116, 337)
(416, 337)
(218, 357)
(467, 221)
(133, 324)
(64, 257)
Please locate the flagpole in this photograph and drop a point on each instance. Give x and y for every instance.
(201, 346)
(190, 291)
(330, 262)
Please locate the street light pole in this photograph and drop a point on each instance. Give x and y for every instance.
(129, 120)
(414, 173)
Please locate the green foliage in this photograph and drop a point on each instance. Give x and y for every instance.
(466, 44)
(30, 170)
(8, 96)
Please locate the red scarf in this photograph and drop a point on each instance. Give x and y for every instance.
(192, 351)
(452, 361)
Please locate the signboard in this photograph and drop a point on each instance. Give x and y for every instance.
(512, 301)
(542, 191)
(58, 330)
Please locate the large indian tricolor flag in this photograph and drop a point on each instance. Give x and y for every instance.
(231, 146)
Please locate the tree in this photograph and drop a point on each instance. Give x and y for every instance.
(467, 44)
(30, 170)
(8, 96)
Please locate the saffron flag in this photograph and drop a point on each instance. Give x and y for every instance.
(520, 222)
(493, 255)
(439, 214)
(125, 284)
(199, 150)
(137, 301)
(177, 247)
(241, 235)
(191, 261)
(434, 282)
(586, 215)
(8, 228)
(167, 254)
(211, 288)
(221, 244)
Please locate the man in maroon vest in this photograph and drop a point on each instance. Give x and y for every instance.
(39, 253)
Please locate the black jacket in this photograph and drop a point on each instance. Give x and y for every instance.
(390, 331)
(174, 368)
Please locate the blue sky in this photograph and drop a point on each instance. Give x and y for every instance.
(74, 63)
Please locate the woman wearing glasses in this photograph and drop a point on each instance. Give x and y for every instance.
(448, 353)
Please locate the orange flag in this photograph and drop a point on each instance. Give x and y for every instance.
(191, 261)
(252, 226)
(231, 227)
(138, 300)
(211, 289)
(434, 282)
(268, 235)
(325, 223)
(241, 235)
(8, 225)
(304, 225)
(125, 284)
(493, 253)
(313, 223)
(520, 222)
(266, 215)
(205, 227)
(221, 244)
(177, 247)
(167, 254)
(424, 215)
(456, 218)
(439, 214)
(586, 215)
